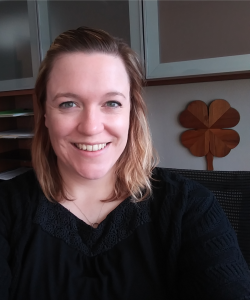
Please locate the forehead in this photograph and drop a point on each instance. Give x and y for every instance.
(88, 70)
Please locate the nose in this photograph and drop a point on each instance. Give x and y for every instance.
(90, 122)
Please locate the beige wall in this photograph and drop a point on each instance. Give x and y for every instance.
(165, 103)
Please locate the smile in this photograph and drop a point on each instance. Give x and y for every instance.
(91, 147)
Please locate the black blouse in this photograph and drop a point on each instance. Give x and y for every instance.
(178, 244)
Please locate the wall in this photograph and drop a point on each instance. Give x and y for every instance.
(165, 103)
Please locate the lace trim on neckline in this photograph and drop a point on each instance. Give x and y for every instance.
(119, 224)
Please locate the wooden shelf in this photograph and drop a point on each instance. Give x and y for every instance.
(16, 134)
(17, 93)
(197, 79)
(18, 155)
(15, 152)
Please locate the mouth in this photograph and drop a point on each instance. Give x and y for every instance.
(91, 148)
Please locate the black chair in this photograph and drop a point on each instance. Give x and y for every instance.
(232, 190)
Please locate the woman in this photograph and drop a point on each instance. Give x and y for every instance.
(97, 220)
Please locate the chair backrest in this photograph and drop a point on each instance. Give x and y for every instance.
(232, 190)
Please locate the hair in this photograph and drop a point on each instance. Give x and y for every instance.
(134, 166)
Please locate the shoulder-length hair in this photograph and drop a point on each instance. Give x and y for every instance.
(135, 165)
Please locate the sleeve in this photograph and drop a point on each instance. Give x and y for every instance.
(5, 228)
(211, 265)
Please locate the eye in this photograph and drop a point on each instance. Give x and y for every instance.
(67, 104)
(113, 104)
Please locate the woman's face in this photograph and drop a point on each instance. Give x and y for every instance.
(87, 113)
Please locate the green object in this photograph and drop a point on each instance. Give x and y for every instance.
(16, 113)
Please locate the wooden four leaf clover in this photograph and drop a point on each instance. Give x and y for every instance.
(208, 138)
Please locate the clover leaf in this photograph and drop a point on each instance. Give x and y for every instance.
(208, 138)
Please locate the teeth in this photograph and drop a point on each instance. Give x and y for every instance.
(90, 147)
(95, 148)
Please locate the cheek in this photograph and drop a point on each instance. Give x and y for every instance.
(58, 127)
(121, 128)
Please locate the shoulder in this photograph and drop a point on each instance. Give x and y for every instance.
(187, 206)
(19, 193)
(198, 234)
(169, 185)
(185, 203)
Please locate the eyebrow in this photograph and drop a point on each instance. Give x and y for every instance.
(115, 93)
(66, 95)
(75, 96)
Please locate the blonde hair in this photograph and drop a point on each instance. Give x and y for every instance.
(135, 165)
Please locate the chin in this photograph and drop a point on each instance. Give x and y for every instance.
(94, 173)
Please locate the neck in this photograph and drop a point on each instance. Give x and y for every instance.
(88, 190)
(87, 195)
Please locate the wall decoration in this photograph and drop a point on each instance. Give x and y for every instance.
(208, 136)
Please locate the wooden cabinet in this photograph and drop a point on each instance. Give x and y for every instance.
(176, 39)
(196, 38)
(15, 151)
(28, 27)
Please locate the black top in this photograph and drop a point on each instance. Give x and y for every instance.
(176, 245)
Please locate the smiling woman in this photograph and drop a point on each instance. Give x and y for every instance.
(90, 86)
(87, 105)
(96, 219)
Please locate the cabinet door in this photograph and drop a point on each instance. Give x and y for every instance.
(19, 54)
(190, 38)
(113, 16)
(109, 15)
